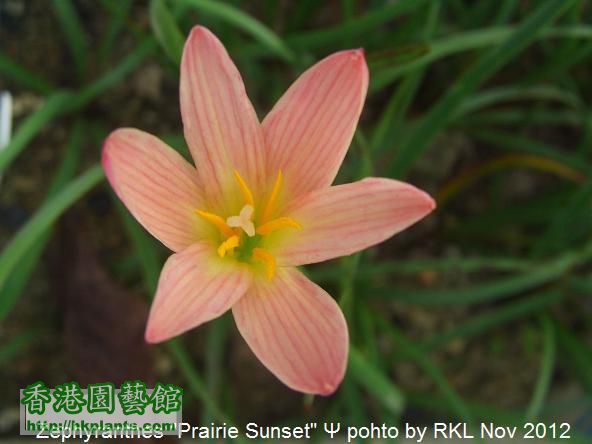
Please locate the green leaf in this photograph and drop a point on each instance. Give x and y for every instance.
(15, 345)
(465, 41)
(375, 382)
(533, 212)
(495, 289)
(485, 66)
(243, 21)
(351, 396)
(64, 102)
(415, 266)
(522, 118)
(196, 383)
(408, 350)
(34, 229)
(144, 246)
(119, 12)
(114, 75)
(508, 141)
(73, 33)
(217, 338)
(495, 317)
(512, 93)
(437, 403)
(577, 356)
(166, 30)
(358, 26)
(486, 413)
(392, 119)
(505, 10)
(562, 229)
(547, 366)
(23, 76)
(561, 62)
(52, 107)
(17, 280)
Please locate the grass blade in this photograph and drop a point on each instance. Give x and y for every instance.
(466, 41)
(166, 30)
(51, 108)
(562, 228)
(409, 350)
(512, 93)
(577, 355)
(15, 345)
(353, 28)
(144, 246)
(524, 117)
(483, 68)
(17, 280)
(494, 318)
(196, 383)
(373, 380)
(392, 118)
(64, 102)
(415, 266)
(23, 76)
(115, 75)
(506, 140)
(496, 289)
(118, 15)
(217, 336)
(36, 226)
(241, 20)
(545, 373)
(74, 34)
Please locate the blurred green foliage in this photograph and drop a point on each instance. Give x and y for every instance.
(510, 78)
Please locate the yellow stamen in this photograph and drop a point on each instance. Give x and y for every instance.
(268, 260)
(218, 222)
(228, 245)
(277, 224)
(244, 189)
(272, 198)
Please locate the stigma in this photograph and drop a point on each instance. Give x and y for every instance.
(243, 220)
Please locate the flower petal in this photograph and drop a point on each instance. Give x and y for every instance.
(156, 185)
(220, 124)
(343, 219)
(195, 286)
(296, 330)
(309, 130)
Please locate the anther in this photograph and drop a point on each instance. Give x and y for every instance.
(228, 245)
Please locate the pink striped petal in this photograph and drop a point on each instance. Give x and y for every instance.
(221, 127)
(156, 184)
(343, 219)
(309, 130)
(296, 330)
(195, 286)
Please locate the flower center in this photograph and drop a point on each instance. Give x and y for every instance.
(243, 234)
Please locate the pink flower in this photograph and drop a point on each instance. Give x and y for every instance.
(258, 204)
